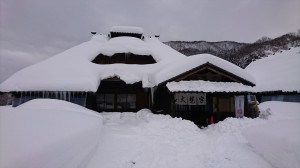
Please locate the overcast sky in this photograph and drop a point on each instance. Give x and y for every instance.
(32, 30)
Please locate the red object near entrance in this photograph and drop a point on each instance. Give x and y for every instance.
(212, 120)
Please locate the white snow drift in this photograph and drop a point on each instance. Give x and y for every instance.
(53, 133)
(48, 134)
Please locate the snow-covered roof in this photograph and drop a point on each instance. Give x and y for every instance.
(207, 86)
(72, 70)
(127, 29)
(279, 72)
(198, 60)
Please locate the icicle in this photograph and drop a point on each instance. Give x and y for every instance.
(152, 94)
(69, 96)
(20, 100)
(56, 95)
(65, 96)
(84, 104)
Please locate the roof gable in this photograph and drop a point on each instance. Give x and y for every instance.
(181, 69)
(225, 75)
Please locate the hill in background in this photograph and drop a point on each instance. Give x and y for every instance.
(241, 54)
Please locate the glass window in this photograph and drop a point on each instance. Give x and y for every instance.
(110, 101)
(121, 101)
(251, 99)
(126, 101)
(131, 100)
(101, 101)
(106, 101)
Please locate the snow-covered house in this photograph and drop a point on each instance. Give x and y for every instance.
(125, 71)
(277, 76)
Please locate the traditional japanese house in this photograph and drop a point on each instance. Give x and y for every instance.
(277, 76)
(126, 71)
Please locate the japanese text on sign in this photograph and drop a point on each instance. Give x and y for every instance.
(190, 98)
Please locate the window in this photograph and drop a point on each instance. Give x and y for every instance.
(126, 101)
(106, 101)
(116, 102)
(251, 99)
(125, 58)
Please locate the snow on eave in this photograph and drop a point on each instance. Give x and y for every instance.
(208, 86)
(127, 29)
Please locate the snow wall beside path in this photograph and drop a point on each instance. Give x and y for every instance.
(48, 133)
(278, 141)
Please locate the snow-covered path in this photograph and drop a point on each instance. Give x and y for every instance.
(146, 140)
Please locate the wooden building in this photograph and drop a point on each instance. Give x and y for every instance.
(125, 71)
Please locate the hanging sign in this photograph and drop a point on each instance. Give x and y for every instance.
(190, 98)
(239, 106)
(201, 99)
(182, 99)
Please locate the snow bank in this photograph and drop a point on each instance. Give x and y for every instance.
(48, 133)
(146, 140)
(278, 141)
(277, 72)
(52, 133)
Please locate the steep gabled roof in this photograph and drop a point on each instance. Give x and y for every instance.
(279, 72)
(72, 70)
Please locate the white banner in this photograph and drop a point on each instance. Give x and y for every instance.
(239, 106)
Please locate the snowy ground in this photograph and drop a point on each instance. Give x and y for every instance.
(51, 133)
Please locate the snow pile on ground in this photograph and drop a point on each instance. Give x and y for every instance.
(48, 134)
(277, 72)
(146, 140)
(54, 134)
(278, 141)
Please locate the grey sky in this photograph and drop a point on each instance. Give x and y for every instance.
(32, 30)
